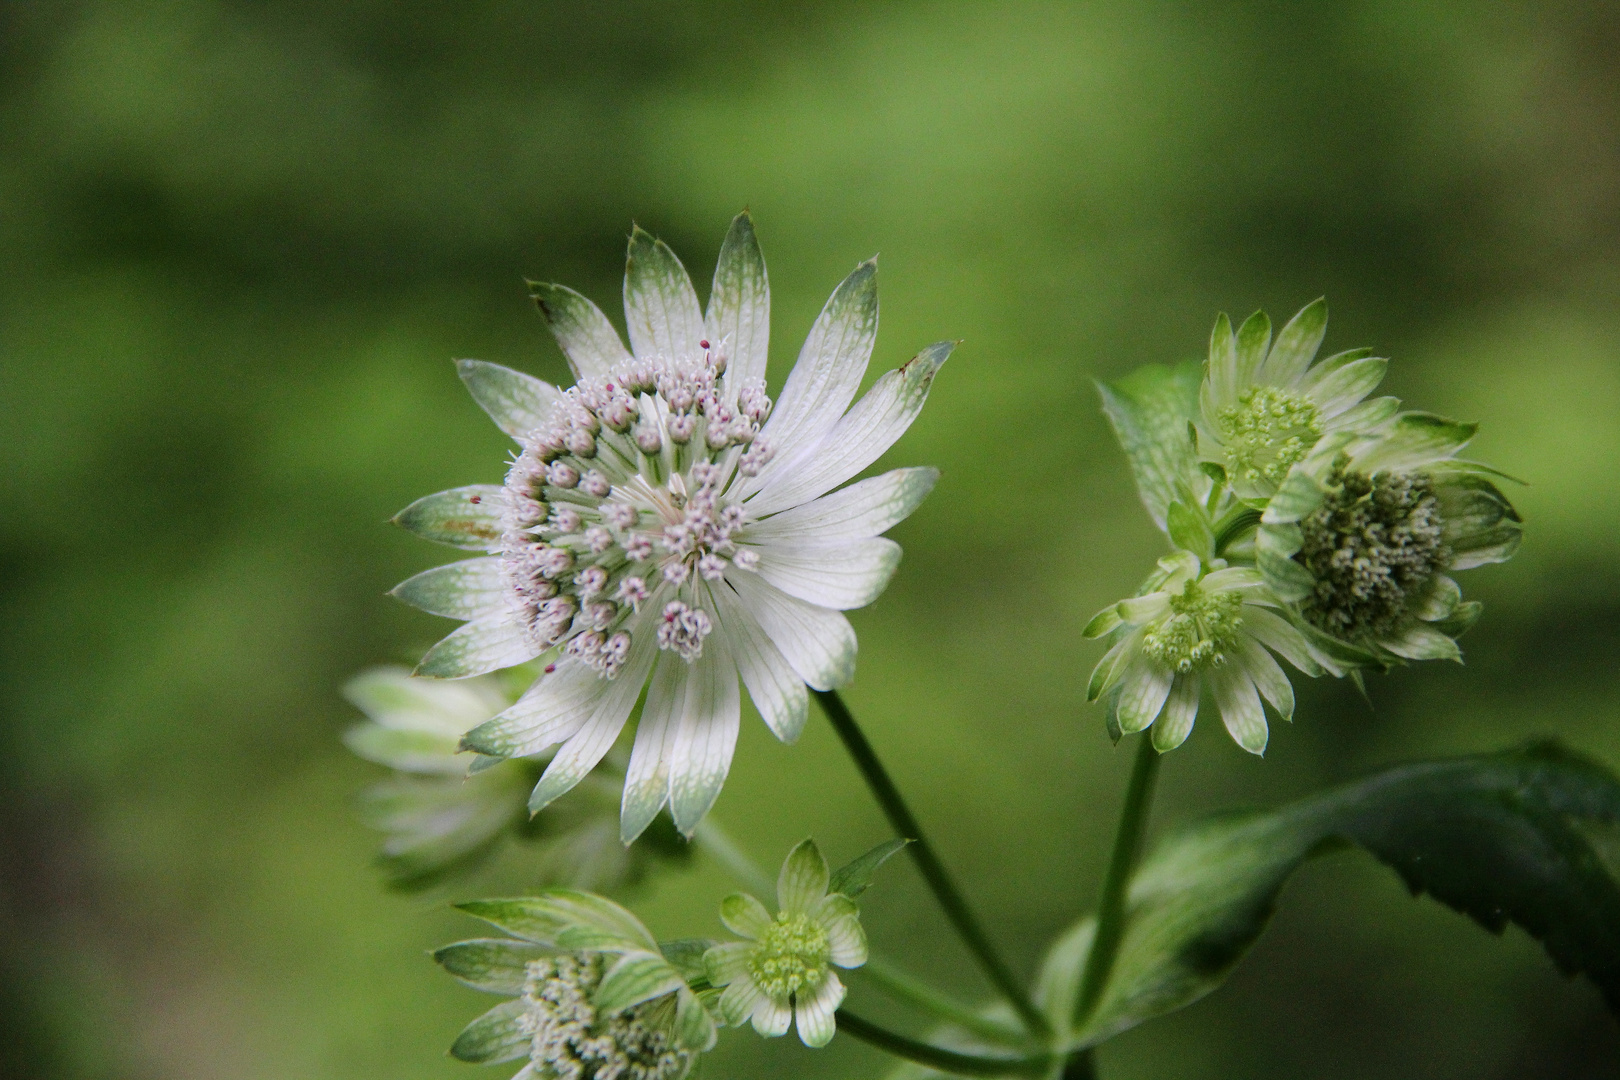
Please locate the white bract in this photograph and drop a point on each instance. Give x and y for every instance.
(1194, 628)
(782, 972)
(664, 521)
(1263, 406)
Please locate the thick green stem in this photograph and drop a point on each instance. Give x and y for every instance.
(1133, 819)
(950, 1061)
(913, 991)
(933, 871)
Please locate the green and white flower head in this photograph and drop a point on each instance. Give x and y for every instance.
(664, 520)
(1364, 534)
(1263, 406)
(783, 972)
(594, 997)
(1195, 627)
(444, 809)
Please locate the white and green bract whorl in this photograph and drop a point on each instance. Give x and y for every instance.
(666, 526)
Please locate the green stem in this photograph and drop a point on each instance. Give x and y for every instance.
(1082, 1065)
(731, 855)
(950, 1061)
(913, 991)
(933, 871)
(1133, 819)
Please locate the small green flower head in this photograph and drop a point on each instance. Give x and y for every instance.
(783, 971)
(1196, 627)
(594, 997)
(1364, 533)
(1263, 407)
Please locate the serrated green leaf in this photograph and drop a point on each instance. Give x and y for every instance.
(855, 876)
(496, 1036)
(1150, 410)
(498, 965)
(1497, 837)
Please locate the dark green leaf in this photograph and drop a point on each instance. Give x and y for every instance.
(1498, 837)
(853, 878)
(1150, 410)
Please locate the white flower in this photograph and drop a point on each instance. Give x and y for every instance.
(665, 521)
(1194, 628)
(781, 972)
(1263, 407)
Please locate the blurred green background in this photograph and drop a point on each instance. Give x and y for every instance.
(241, 243)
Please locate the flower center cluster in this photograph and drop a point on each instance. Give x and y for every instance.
(570, 1041)
(1372, 546)
(1268, 432)
(1201, 627)
(621, 498)
(791, 957)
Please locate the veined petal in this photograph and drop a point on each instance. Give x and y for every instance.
(1111, 668)
(868, 508)
(496, 1036)
(854, 441)
(840, 576)
(583, 333)
(770, 1018)
(831, 363)
(1275, 633)
(1420, 641)
(646, 780)
(1142, 693)
(817, 642)
(739, 316)
(660, 306)
(742, 997)
(1296, 345)
(464, 517)
(815, 1014)
(1173, 726)
(1223, 371)
(518, 403)
(1415, 439)
(490, 643)
(802, 882)
(1364, 417)
(777, 691)
(745, 916)
(549, 712)
(1253, 340)
(705, 735)
(1231, 578)
(394, 699)
(727, 962)
(1345, 388)
(847, 940)
(469, 589)
(1268, 678)
(1239, 704)
(580, 754)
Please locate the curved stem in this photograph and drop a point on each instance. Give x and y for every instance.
(913, 991)
(933, 871)
(1133, 817)
(937, 1057)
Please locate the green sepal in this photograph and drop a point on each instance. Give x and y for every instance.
(1497, 837)
(634, 978)
(477, 648)
(496, 965)
(1189, 529)
(496, 1036)
(1111, 719)
(518, 403)
(1104, 621)
(1150, 410)
(855, 876)
(406, 749)
(459, 590)
(686, 954)
(567, 918)
(1415, 439)
(465, 517)
(1461, 620)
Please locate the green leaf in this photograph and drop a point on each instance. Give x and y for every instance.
(1497, 837)
(686, 954)
(495, 1036)
(855, 876)
(637, 977)
(498, 965)
(567, 918)
(1150, 410)
(465, 517)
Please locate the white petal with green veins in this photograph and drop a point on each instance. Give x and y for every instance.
(478, 647)
(740, 303)
(660, 306)
(518, 403)
(588, 341)
(868, 508)
(469, 589)
(817, 642)
(838, 575)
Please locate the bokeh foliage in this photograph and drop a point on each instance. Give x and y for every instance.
(242, 241)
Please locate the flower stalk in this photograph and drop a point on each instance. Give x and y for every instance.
(950, 1061)
(950, 898)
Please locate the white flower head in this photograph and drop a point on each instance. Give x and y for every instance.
(1363, 535)
(665, 521)
(1196, 627)
(783, 972)
(1263, 406)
